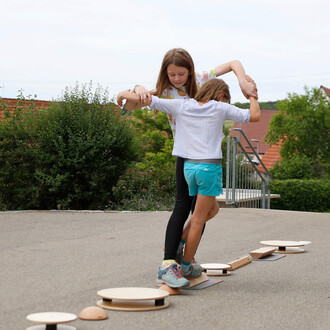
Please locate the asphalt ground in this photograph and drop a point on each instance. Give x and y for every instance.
(58, 261)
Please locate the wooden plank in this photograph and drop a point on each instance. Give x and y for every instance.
(262, 252)
(197, 280)
(241, 262)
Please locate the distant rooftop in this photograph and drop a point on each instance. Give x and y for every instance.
(327, 90)
(256, 130)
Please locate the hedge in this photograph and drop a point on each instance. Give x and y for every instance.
(301, 195)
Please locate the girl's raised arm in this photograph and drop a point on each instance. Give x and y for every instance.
(254, 110)
(132, 100)
(248, 88)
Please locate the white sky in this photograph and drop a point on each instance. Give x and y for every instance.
(47, 45)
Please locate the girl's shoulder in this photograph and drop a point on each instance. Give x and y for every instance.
(203, 77)
(206, 75)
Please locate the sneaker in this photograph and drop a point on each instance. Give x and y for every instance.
(172, 276)
(194, 270)
(179, 255)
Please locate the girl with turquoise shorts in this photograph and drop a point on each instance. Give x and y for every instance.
(199, 124)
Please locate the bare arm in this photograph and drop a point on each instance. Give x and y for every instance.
(132, 100)
(247, 87)
(254, 110)
(144, 95)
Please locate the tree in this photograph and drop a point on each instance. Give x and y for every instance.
(303, 126)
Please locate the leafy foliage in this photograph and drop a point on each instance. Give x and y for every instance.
(150, 183)
(263, 105)
(153, 129)
(303, 125)
(296, 167)
(66, 156)
(145, 190)
(301, 195)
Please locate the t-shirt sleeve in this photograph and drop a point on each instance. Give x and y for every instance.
(236, 114)
(166, 105)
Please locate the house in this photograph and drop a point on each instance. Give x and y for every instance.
(12, 103)
(326, 90)
(256, 133)
(271, 157)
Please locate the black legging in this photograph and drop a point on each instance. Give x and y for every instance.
(183, 205)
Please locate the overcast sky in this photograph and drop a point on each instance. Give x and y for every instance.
(47, 45)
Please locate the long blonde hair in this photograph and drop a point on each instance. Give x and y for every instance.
(178, 57)
(211, 90)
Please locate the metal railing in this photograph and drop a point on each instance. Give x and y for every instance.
(246, 186)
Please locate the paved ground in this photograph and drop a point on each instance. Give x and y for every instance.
(57, 261)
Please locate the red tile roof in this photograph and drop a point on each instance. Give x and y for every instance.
(11, 103)
(327, 90)
(271, 156)
(256, 130)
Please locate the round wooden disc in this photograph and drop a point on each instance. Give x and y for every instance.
(211, 272)
(51, 317)
(282, 243)
(305, 242)
(171, 291)
(291, 250)
(131, 306)
(133, 294)
(215, 266)
(58, 327)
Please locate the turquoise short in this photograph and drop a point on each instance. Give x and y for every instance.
(203, 179)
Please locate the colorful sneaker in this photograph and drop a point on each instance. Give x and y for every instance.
(179, 257)
(194, 270)
(172, 276)
(194, 262)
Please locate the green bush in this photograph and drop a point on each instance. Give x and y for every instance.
(296, 167)
(145, 190)
(17, 157)
(67, 156)
(301, 195)
(154, 131)
(302, 125)
(150, 184)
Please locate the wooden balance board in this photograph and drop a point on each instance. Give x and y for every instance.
(196, 280)
(262, 252)
(50, 321)
(287, 246)
(215, 269)
(133, 299)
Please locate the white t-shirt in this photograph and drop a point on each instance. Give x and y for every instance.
(180, 93)
(199, 127)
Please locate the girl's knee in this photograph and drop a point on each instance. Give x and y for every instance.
(196, 221)
(214, 211)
